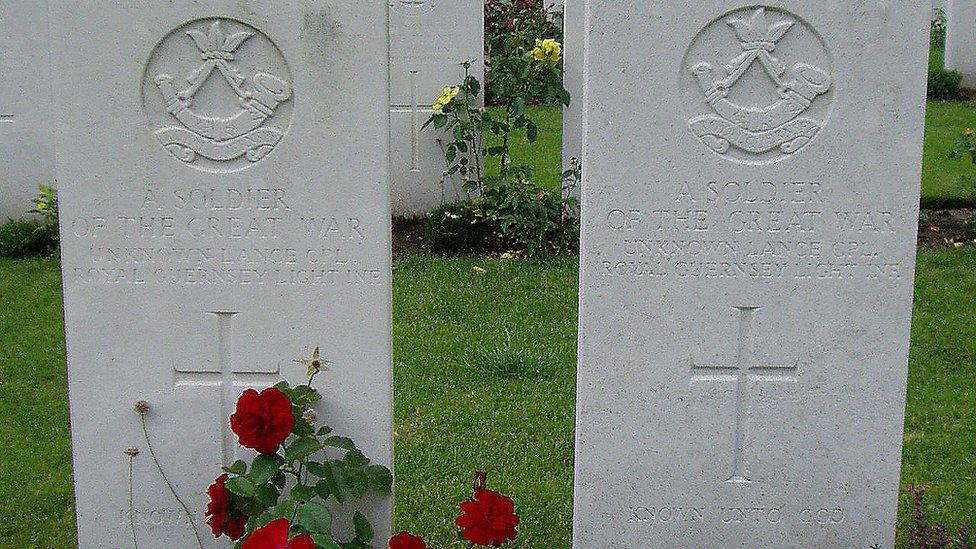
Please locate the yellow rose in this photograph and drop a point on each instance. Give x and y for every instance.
(547, 50)
(968, 132)
(446, 97)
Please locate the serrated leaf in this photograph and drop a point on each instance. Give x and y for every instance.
(340, 442)
(355, 458)
(364, 530)
(237, 468)
(380, 479)
(315, 518)
(240, 486)
(302, 493)
(324, 430)
(301, 449)
(264, 468)
(267, 494)
(324, 542)
(279, 480)
(358, 482)
(316, 468)
(284, 509)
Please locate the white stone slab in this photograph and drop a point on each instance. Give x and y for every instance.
(746, 297)
(26, 152)
(960, 52)
(195, 266)
(428, 41)
(573, 82)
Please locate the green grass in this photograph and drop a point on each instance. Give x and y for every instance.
(545, 155)
(35, 463)
(940, 425)
(943, 180)
(453, 416)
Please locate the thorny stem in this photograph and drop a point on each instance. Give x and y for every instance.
(169, 485)
(132, 520)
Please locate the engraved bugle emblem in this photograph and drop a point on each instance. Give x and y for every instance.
(759, 129)
(220, 139)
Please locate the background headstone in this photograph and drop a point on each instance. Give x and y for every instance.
(747, 267)
(960, 51)
(201, 257)
(573, 82)
(26, 149)
(429, 39)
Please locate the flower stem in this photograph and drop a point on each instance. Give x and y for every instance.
(132, 520)
(169, 485)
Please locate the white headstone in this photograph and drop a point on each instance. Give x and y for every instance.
(960, 49)
(429, 39)
(573, 82)
(225, 208)
(26, 151)
(748, 248)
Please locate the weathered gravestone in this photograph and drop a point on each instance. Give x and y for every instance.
(749, 224)
(429, 39)
(960, 48)
(225, 209)
(573, 82)
(26, 151)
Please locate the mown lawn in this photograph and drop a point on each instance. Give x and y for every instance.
(468, 399)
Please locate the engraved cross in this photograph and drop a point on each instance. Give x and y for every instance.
(743, 373)
(229, 374)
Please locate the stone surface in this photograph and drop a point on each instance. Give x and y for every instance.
(203, 256)
(26, 151)
(428, 41)
(747, 275)
(573, 82)
(960, 52)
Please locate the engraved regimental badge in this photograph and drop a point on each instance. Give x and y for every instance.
(745, 101)
(218, 93)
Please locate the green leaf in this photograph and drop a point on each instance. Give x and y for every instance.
(325, 487)
(358, 482)
(355, 458)
(380, 479)
(531, 131)
(340, 442)
(240, 486)
(302, 493)
(264, 468)
(323, 541)
(324, 430)
(364, 530)
(284, 509)
(279, 480)
(237, 468)
(301, 449)
(267, 494)
(317, 468)
(315, 518)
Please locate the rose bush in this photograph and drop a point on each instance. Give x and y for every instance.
(488, 518)
(274, 535)
(262, 421)
(403, 540)
(221, 517)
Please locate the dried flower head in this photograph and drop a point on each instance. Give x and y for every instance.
(141, 407)
(310, 416)
(131, 452)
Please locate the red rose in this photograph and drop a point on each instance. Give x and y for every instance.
(488, 519)
(262, 421)
(274, 535)
(223, 520)
(404, 540)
